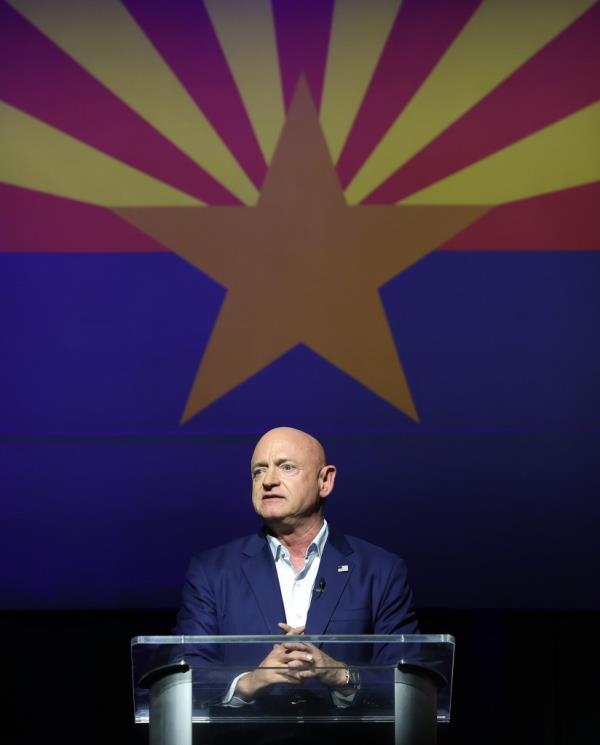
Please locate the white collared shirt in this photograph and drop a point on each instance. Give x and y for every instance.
(297, 588)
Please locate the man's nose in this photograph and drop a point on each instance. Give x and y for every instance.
(271, 477)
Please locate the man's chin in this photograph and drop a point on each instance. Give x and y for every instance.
(274, 512)
(276, 519)
(272, 506)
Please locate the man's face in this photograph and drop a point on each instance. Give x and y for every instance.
(289, 477)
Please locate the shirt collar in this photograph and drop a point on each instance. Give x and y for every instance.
(317, 545)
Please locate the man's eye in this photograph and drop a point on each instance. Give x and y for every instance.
(287, 467)
(257, 472)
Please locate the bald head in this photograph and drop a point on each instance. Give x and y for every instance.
(297, 439)
(290, 479)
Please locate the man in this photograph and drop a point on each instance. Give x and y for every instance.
(297, 576)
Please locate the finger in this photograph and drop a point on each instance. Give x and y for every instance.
(290, 646)
(307, 674)
(291, 630)
(298, 655)
(299, 664)
(287, 675)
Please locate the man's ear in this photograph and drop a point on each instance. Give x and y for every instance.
(326, 480)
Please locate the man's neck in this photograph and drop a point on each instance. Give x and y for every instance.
(299, 537)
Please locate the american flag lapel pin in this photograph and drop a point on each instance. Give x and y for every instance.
(343, 568)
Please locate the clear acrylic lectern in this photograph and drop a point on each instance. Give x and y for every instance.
(402, 679)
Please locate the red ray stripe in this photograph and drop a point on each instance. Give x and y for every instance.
(302, 30)
(40, 79)
(422, 32)
(36, 222)
(562, 221)
(563, 77)
(184, 36)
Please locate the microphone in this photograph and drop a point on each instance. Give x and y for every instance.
(320, 587)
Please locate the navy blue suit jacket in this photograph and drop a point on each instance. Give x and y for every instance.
(234, 589)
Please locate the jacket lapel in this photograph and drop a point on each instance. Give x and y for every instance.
(259, 569)
(337, 553)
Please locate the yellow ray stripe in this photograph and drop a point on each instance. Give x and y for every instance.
(498, 39)
(36, 156)
(358, 34)
(561, 156)
(106, 41)
(246, 33)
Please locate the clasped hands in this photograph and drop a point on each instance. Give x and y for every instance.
(292, 663)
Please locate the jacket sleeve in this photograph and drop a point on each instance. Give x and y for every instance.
(394, 613)
(198, 612)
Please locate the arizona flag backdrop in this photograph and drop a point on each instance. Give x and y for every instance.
(375, 220)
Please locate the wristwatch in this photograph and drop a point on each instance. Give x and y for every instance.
(352, 678)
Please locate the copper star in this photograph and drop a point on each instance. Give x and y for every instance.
(301, 267)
